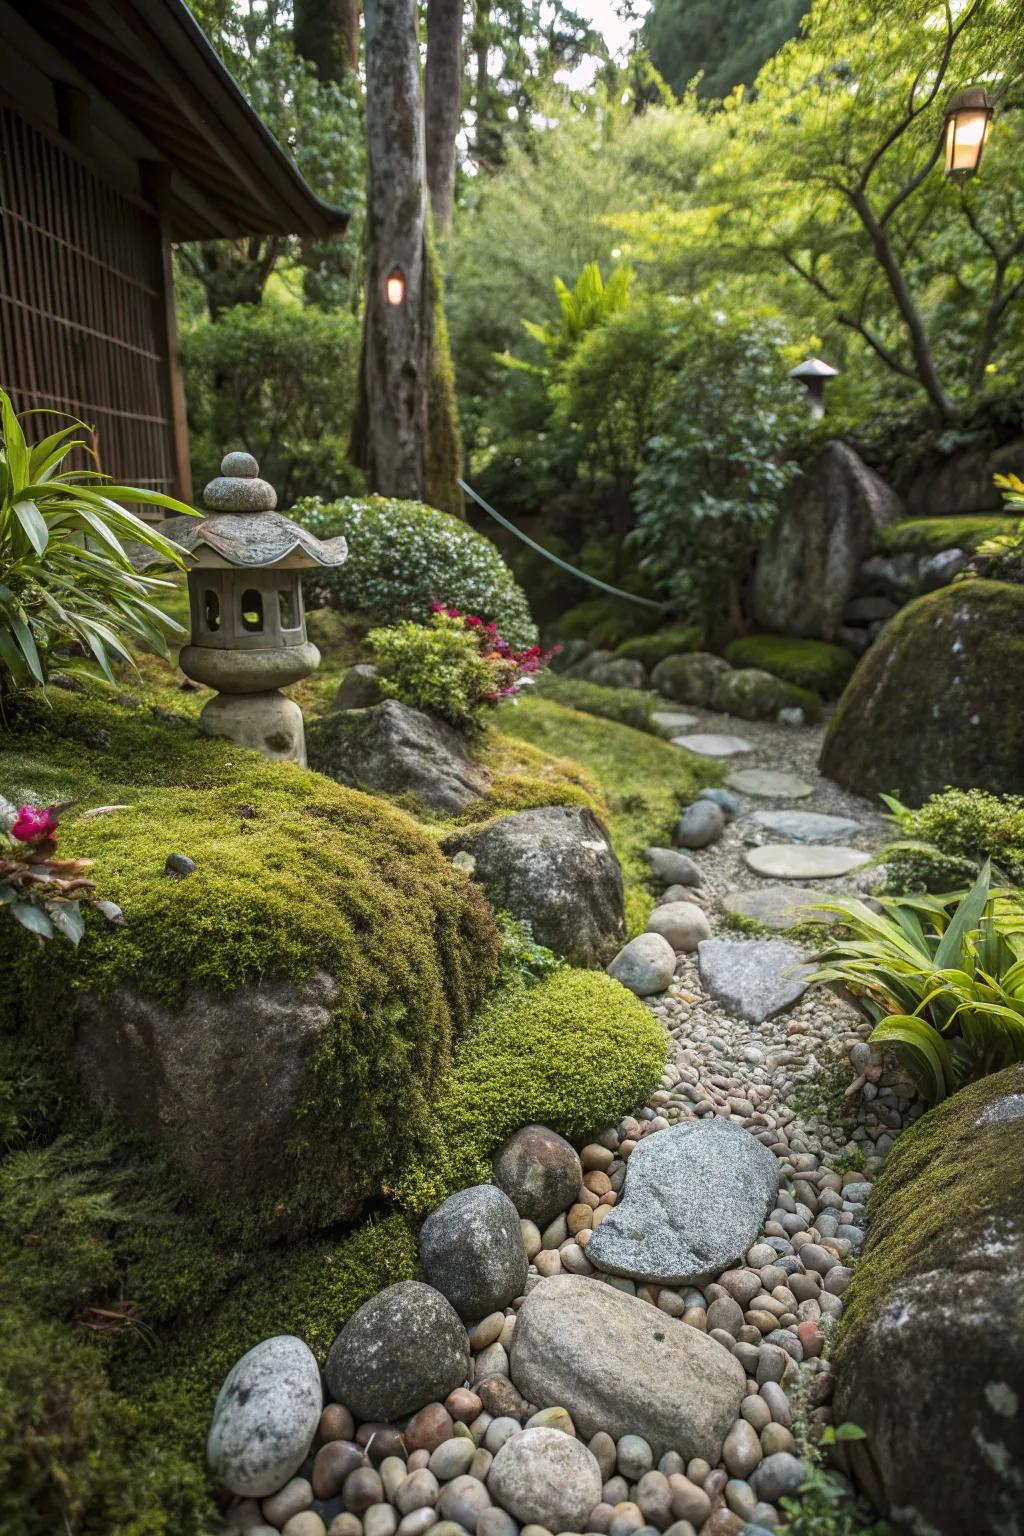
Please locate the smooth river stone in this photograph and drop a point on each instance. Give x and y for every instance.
(693, 1202)
(791, 861)
(708, 744)
(753, 978)
(801, 826)
(769, 784)
(779, 906)
(620, 1365)
(265, 1417)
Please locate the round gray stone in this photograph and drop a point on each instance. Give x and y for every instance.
(672, 867)
(239, 464)
(799, 826)
(265, 1417)
(682, 923)
(708, 744)
(471, 1249)
(769, 784)
(236, 493)
(779, 906)
(700, 825)
(779, 1476)
(539, 1172)
(790, 861)
(646, 965)
(724, 799)
(546, 1478)
(753, 979)
(405, 1347)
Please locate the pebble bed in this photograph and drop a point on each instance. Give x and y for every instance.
(809, 1087)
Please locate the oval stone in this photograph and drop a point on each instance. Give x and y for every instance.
(265, 1417)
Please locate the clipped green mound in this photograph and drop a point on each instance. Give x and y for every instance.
(629, 706)
(936, 700)
(650, 649)
(931, 535)
(813, 664)
(576, 1052)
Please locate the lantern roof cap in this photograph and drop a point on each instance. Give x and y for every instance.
(244, 530)
(813, 368)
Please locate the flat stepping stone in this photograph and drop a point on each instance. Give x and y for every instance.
(671, 722)
(707, 744)
(753, 979)
(692, 1204)
(800, 826)
(790, 861)
(769, 784)
(778, 906)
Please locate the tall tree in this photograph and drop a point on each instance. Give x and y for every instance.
(442, 108)
(726, 44)
(326, 32)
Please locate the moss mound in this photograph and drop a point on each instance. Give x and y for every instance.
(824, 669)
(605, 621)
(931, 535)
(575, 1051)
(650, 649)
(629, 706)
(755, 695)
(936, 701)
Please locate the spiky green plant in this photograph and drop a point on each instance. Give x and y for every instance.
(941, 978)
(67, 583)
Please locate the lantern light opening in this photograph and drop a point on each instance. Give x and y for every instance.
(968, 120)
(394, 287)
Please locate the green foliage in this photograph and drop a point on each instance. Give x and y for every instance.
(575, 1051)
(650, 649)
(67, 580)
(813, 664)
(953, 832)
(726, 47)
(605, 622)
(825, 1508)
(440, 668)
(279, 380)
(942, 978)
(626, 705)
(931, 535)
(402, 556)
(590, 303)
(709, 491)
(1002, 554)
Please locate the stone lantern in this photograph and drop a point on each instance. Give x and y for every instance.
(248, 625)
(814, 375)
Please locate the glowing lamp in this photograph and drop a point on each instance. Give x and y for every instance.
(968, 120)
(394, 287)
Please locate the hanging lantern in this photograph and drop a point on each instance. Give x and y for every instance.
(968, 119)
(394, 287)
(248, 632)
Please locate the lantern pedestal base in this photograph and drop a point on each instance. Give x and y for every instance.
(265, 722)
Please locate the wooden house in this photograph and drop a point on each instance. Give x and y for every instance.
(121, 132)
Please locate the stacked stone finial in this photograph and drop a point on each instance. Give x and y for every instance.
(238, 487)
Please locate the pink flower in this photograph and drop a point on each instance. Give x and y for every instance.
(32, 823)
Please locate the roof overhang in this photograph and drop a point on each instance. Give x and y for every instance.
(152, 61)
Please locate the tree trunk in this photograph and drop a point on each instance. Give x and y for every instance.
(326, 32)
(391, 425)
(442, 105)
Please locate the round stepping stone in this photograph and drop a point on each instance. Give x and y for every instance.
(801, 826)
(778, 906)
(769, 784)
(671, 722)
(707, 744)
(753, 978)
(790, 861)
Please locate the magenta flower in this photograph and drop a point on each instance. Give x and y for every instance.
(32, 823)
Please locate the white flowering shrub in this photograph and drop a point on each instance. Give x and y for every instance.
(403, 556)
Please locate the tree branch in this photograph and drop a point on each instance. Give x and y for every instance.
(852, 322)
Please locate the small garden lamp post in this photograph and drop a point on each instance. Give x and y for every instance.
(814, 375)
(248, 636)
(968, 118)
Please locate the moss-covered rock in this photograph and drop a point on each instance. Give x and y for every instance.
(932, 535)
(936, 701)
(814, 664)
(689, 679)
(755, 695)
(650, 649)
(931, 1352)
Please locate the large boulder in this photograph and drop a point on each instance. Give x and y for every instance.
(472, 1251)
(394, 750)
(619, 672)
(694, 1200)
(931, 1354)
(806, 571)
(553, 868)
(963, 481)
(618, 1364)
(936, 701)
(752, 694)
(405, 1347)
(688, 679)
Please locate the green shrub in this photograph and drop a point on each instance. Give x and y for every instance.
(626, 705)
(650, 649)
(951, 835)
(825, 669)
(440, 668)
(403, 556)
(575, 1051)
(605, 621)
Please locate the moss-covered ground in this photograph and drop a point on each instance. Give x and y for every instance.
(930, 535)
(814, 664)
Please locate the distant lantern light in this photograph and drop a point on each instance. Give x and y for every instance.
(968, 120)
(814, 375)
(394, 287)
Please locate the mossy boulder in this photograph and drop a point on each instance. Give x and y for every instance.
(755, 695)
(931, 1353)
(650, 649)
(392, 749)
(936, 701)
(814, 664)
(689, 679)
